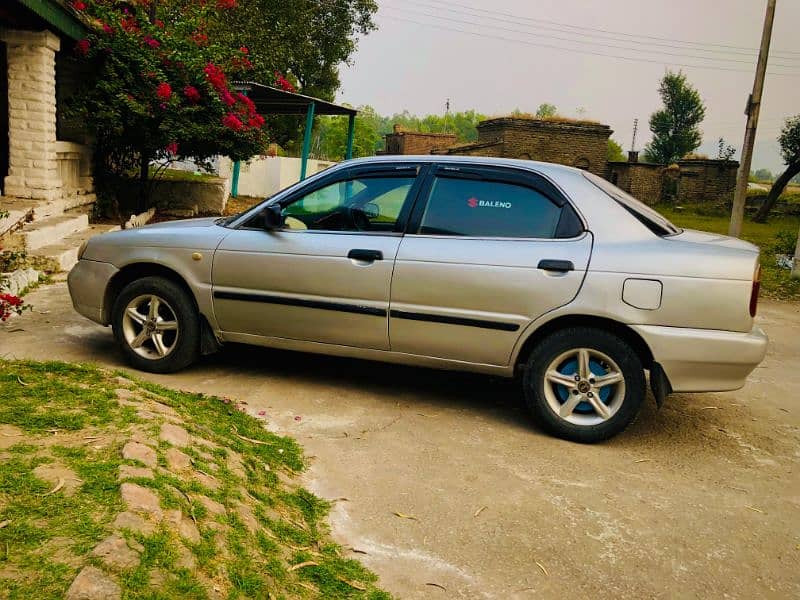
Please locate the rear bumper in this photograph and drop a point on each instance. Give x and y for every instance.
(87, 283)
(705, 360)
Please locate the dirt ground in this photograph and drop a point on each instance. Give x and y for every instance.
(699, 499)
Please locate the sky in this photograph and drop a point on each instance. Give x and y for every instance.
(513, 54)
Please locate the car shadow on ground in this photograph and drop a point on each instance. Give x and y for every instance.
(681, 423)
(484, 396)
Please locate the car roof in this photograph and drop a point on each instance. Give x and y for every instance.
(545, 168)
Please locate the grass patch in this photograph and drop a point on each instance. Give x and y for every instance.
(181, 175)
(249, 525)
(776, 282)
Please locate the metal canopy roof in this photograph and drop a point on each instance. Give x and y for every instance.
(272, 101)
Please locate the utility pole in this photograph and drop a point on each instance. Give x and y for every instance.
(752, 110)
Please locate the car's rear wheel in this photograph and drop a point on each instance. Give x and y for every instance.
(584, 384)
(156, 325)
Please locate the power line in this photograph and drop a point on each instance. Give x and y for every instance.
(751, 51)
(574, 41)
(577, 50)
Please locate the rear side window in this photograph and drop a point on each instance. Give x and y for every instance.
(475, 208)
(648, 217)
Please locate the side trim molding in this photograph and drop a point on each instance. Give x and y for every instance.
(429, 318)
(319, 304)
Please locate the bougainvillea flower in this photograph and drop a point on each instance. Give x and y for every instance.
(192, 94)
(231, 121)
(215, 77)
(82, 47)
(164, 91)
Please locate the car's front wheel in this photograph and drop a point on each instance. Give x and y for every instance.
(584, 384)
(156, 325)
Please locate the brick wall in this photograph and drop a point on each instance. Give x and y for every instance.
(416, 142)
(704, 180)
(693, 181)
(641, 180)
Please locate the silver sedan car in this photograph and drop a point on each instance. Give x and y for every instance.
(512, 268)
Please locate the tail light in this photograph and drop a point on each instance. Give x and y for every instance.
(754, 292)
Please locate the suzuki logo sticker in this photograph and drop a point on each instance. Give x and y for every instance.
(474, 203)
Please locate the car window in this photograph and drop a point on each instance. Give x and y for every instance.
(648, 217)
(360, 204)
(469, 207)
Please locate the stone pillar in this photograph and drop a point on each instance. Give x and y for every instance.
(796, 262)
(33, 165)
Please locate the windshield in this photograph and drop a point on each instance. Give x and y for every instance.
(648, 217)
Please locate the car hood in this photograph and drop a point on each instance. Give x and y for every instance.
(202, 222)
(193, 234)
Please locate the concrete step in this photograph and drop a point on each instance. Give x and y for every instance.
(63, 255)
(50, 230)
(81, 199)
(18, 215)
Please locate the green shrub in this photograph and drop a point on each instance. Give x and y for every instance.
(785, 242)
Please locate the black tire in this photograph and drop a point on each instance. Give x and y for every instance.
(186, 347)
(557, 345)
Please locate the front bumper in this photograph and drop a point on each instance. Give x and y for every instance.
(88, 281)
(705, 360)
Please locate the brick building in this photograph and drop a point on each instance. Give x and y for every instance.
(582, 144)
(401, 141)
(42, 156)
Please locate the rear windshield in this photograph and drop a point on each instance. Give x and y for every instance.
(648, 217)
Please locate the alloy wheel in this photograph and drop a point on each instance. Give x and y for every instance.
(150, 327)
(584, 387)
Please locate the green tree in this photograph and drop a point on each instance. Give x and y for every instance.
(789, 140)
(304, 40)
(463, 124)
(160, 88)
(331, 135)
(310, 40)
(675, 127)
(614, 152)
(763, 175)
(546, 110)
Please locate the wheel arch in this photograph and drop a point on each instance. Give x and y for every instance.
(617, 328)
(140, 269)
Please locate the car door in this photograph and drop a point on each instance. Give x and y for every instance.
(488, 250)
(325, 276)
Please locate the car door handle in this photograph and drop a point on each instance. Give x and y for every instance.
(365, 255)
(562, 266)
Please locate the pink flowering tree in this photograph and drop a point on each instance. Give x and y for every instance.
(162, 87)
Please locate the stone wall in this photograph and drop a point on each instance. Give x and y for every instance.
(40, 166)
(208, 196)
(575, 143)
(417, 142)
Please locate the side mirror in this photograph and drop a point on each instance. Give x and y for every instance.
(272, 217)
(372, 210)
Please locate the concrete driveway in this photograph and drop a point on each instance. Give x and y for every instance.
(700, 499)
